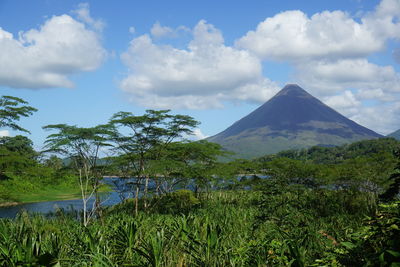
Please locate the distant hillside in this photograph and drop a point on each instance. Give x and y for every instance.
(292, 119)
(333, 155)
(395, 134)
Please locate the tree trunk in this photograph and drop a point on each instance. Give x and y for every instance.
(137, 200)
(146, 185)
(97, 206)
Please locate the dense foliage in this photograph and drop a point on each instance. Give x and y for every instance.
(339, 154)
(23, 172)
(230, 228)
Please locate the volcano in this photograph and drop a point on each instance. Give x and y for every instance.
(292, 119)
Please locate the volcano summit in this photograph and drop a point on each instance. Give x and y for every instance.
(291, 119)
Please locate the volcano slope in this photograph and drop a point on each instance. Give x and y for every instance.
(292, 119)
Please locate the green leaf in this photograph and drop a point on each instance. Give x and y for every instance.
(382, 258)
(348, 245)
(394, 253)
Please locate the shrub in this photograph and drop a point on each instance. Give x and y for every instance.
(180, 201)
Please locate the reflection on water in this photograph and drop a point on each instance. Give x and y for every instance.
(108, 199)
(122, 189)
(52, 206)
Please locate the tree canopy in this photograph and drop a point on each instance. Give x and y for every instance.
(11, 110)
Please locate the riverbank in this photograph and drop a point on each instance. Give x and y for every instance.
(8, 204)
(48, 194)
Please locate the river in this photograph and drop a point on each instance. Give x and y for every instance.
(108, 199)
(119, 186)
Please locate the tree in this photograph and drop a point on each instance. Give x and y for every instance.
(82, 145)
(11, 110)
(182, 163)
(394, 187)
(147, 137)
(54, 162)
(16, 154)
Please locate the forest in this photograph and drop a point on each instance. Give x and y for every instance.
(190, 203)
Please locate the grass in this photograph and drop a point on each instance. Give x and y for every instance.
(54, 193)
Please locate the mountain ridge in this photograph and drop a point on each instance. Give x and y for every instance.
(395, 134)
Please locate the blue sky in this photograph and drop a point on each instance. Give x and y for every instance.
(79, 62)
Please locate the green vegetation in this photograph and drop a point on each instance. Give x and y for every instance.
(229, 228)
(23, 178)
(321, 206)
(250, 143)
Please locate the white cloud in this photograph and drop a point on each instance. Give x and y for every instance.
(384, 119)
(293, 36)
(159, 31)
(83, 14)
(384, 21)
(201, 76)
(198, 134)
(330, 77)
(344, 100)
(375, 94)
(132, 30)
(4, 133)
(45, 57)
(346, 103)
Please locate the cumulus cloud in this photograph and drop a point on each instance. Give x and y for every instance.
(375, 94)
(83, 14)
(384, 119)
(384, 21)
(346, 103)
(132, 30)
(344, 100)
(198, 134)
(45, 57)
(4, 133)
(330, 77)
(293, 36)
(159, 31)
(202, 76)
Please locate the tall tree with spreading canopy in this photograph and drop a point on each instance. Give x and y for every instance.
(83, 146)
(144, 138)
(11, 110)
